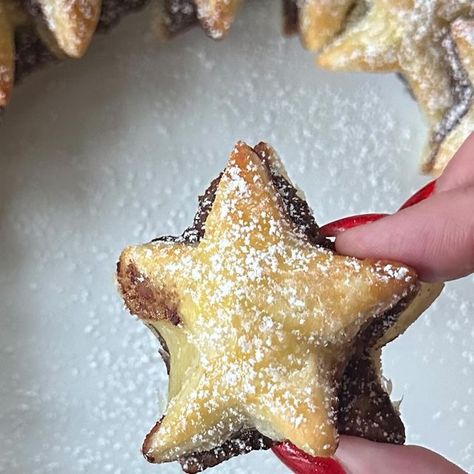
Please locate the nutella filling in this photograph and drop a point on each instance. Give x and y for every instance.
(463, 96)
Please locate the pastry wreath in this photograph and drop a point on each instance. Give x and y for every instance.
(430, 44)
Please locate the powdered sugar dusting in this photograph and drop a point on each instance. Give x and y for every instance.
(250, 268)
(129, 156)
(72, 22)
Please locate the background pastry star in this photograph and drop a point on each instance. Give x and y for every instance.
(397, 36)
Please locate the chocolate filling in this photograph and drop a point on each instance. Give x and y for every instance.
(243, 442)
(180, 15)
(145, 300)
(364, 409)
(463, 96)
(290, 17)
(30, 53)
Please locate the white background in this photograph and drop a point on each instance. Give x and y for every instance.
(114, 149)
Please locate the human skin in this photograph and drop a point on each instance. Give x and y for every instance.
(436, 237)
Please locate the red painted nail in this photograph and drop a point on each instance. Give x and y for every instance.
(334, 228)
(421, 195)
(302, 463)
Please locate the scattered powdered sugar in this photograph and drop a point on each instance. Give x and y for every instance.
(114, 149)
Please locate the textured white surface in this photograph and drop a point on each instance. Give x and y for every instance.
(113, 150)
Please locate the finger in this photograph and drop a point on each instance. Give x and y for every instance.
(436, 236)
(359, 456)
(460, 170)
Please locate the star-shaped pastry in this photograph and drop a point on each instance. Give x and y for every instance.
(215, 16)
(269, 334)
(398, 36)
(458, 122)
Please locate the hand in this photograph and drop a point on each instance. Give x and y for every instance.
(436, 236)
(359, 456)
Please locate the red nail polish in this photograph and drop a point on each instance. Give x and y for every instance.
(334, 228)
(302, 463)
(421, 195)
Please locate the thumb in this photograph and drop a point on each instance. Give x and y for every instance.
(359, 456)
(436, 236)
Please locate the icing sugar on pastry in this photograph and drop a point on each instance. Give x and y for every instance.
(259, 316)
(38, 31)
(410, 37)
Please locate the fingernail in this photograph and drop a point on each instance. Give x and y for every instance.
(302, 463)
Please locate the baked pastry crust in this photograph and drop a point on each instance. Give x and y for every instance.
(216, 16)
(265, 329)
(417, 40)
(67, 26)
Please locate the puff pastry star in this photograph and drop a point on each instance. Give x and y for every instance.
(402, 36)
(259, 317)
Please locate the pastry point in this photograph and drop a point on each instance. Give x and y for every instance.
(67, 25)
(216, 16)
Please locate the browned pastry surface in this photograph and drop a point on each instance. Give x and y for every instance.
(362, 407)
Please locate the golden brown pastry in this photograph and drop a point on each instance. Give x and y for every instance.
(67, 25)
(216, 16)
(269, 335)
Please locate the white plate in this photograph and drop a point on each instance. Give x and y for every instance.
(114, 149)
